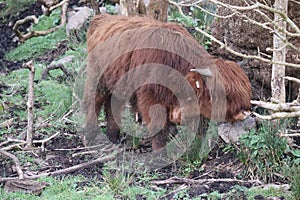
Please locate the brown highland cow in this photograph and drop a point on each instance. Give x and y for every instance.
(154, 66)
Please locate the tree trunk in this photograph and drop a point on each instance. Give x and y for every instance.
(156, 9)
(279, 53)
(129, 7)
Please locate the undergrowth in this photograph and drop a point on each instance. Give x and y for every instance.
(266, 155)
(36, 46)
(11, 8)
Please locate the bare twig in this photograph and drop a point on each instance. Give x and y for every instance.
(292, 79)
(14, 145)
(278, 115)
(223, 45)
(29, 65)
(173, 192)
(177, 7)
(75, 167)
(84, 153)
(60, 66)
(258, 5)
(269, 25)
(46, 140)
(290, 135)
(286, 107)
(201, 181)
(17, 163)
(20, 143)
(95, 7)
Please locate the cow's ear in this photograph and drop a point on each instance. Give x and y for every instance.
(204, 72)
(194, 79)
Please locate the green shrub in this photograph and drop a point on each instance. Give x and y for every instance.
(263, 152)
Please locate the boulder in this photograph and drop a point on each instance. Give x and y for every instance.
(231, 132)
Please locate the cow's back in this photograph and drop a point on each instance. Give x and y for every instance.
(105, 26)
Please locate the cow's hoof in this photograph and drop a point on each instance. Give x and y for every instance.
(89, 136)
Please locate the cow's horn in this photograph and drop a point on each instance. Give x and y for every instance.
(204, 72)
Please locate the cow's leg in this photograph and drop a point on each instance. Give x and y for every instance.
(113, 119)
(155, 117)
(93, 105)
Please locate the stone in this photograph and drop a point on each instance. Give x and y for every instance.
(231, 132)
(76, 19)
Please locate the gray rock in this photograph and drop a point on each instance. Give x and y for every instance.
(231, 132)
(63, 61)
(76, 19)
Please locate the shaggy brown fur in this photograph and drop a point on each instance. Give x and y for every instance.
(118, 44)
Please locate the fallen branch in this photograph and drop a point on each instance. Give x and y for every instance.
(17, 163)
(286, 107)
(201, 181)
(29, 65)
(13, 146)
(173, 192)
(292, 79)
(60, 66)
(95, 7)
(68, 170)
(279, 115)
(64, 5)
(22, 142)
(25, 186)
(75, 167)
(23, 21)
(60, 4)
(46, 140)
(290, 135)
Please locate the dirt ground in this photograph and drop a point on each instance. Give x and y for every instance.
(218, 164)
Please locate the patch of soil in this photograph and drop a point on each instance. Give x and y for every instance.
(51, 55)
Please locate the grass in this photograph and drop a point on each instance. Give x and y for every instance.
(79, 188)
(269, 192)
(66, 188)
(55, 98)
(12, 8)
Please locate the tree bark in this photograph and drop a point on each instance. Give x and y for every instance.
(129, 7)
(30, 103)
(156, 9)
(279, 53)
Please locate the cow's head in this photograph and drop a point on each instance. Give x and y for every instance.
(237, 89)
